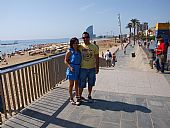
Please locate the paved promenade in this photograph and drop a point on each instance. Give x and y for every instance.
(129, 95)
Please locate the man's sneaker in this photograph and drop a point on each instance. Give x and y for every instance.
(90, 100)
(82, 98)
(78, 102)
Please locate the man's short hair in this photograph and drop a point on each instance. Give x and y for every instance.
(86, 33)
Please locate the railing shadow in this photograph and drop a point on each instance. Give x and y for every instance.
(45, 112)
(116, 106)
(41, 117)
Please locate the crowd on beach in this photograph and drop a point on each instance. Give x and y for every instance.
(37, 50)
(43, 50)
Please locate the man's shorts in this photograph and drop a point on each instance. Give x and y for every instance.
(87, 75)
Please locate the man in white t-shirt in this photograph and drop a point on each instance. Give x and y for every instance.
(108, 57)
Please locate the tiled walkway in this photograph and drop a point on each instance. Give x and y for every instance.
(129, 95)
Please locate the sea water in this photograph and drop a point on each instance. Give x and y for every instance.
(9, 46)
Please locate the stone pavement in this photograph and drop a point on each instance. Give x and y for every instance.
(129, 95)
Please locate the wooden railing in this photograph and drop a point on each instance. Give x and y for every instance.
(22, 84)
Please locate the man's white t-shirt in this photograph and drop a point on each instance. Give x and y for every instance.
(107, 56)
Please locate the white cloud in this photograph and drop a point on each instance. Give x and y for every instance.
(87, 6)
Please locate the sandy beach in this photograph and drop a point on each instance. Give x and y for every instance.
(25, 56)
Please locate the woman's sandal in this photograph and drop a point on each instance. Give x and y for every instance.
(72, 102)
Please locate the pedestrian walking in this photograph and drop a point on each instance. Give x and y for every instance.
(160, 54)
(113, 59)
(108, 57)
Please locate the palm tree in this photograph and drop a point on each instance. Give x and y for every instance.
(130, 30)
(134, 24)
(137, 27)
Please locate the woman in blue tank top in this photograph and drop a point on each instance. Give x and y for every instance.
(73, 60)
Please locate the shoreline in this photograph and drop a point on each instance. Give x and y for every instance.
(45, 50)
(17, 45)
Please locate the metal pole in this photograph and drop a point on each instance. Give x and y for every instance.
(119, 23)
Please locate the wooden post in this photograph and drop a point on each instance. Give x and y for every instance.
(2, 100)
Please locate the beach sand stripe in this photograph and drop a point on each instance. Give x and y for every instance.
(31, 83)
(50, 74)
(16, 89)
(37, 81)
(34, 81)
(3, 99)
(20, 88)
(55, 71)
(12, 90)
(7, 94)
(53, 67)
(27, 83)
(24, 86)
(42, 77)
(60, 67)
(47, 76)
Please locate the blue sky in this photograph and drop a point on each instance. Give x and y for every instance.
(51, 19)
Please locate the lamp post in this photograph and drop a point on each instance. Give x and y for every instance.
(119, 23)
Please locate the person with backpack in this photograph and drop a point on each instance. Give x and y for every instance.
(108, 57)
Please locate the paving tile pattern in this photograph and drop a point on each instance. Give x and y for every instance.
(120, 101)
(108, 110)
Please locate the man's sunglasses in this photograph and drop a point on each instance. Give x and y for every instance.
(85, 37)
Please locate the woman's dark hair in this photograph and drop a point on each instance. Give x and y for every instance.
(72, 41)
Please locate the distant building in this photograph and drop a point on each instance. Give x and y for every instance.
(90, 31)
(143, 27)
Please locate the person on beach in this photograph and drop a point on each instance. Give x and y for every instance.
(73, 60)
(102, 54)
(160, 54)
(108, 57)
(89, 66)
(94, 42)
